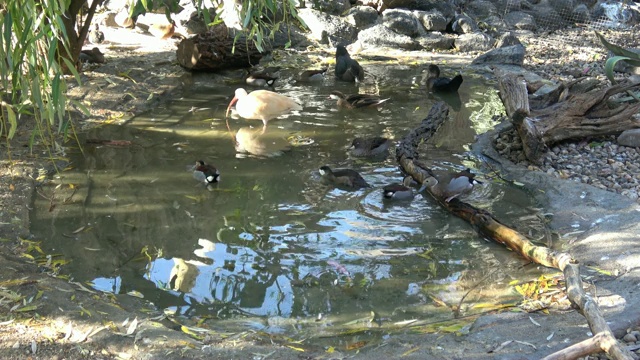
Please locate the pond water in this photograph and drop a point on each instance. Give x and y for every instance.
(271, 246)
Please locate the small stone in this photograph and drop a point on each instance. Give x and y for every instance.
(630, 338)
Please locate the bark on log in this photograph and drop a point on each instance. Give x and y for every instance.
(491, 228)
(212, 51)
(572, 117)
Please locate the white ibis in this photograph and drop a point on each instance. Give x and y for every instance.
(261, 105)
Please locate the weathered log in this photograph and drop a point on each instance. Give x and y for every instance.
(513, 93)
(573, 116)
(584, 115)
(514, 96)
(581, 349)
(489, 227)
(212, 51)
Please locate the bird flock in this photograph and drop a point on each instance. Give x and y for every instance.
(266, 105)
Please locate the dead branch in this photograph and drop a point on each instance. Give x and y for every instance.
(567, 116)
(491, 228)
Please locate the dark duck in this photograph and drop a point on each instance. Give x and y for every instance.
(402, 191)
(438, 84)
(347, 69)
(206, 172)
(369, 147)
(343, 177)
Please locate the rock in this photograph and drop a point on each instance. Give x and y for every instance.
(325, 27)
(520, 20)
(494, 24)
(446, 8)
(381, 36)
(508, 55)
(463, 24)
(401, 21)
(473, 42)
(564, 8)
(333, 7)
(362, 17)
(630, 138)
(481, 9)
(507, 39)
(581, 14)
(546, 16)
(436, 41)
(431, 20)
(109, 19)
(288, 36)
(618, 14)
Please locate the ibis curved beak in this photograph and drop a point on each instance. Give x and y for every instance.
(233, 101)
(423, 187)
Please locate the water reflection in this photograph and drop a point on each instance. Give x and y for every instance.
(268, 141)
(271, 239)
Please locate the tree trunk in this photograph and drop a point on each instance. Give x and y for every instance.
(572, 116)
(213, 51)
(491, 228)
(76, 39)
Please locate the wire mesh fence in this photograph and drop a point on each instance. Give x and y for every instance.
(569, 27)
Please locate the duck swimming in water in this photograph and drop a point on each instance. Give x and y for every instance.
(343, 177)
(368, 147)
(356, 101)
(402, 191)
(435, 83)
(206, 172)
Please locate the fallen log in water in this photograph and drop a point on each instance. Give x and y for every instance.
(491, 228)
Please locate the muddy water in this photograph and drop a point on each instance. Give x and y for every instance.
(271, 243)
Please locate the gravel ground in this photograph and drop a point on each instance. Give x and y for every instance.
(601, 162)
